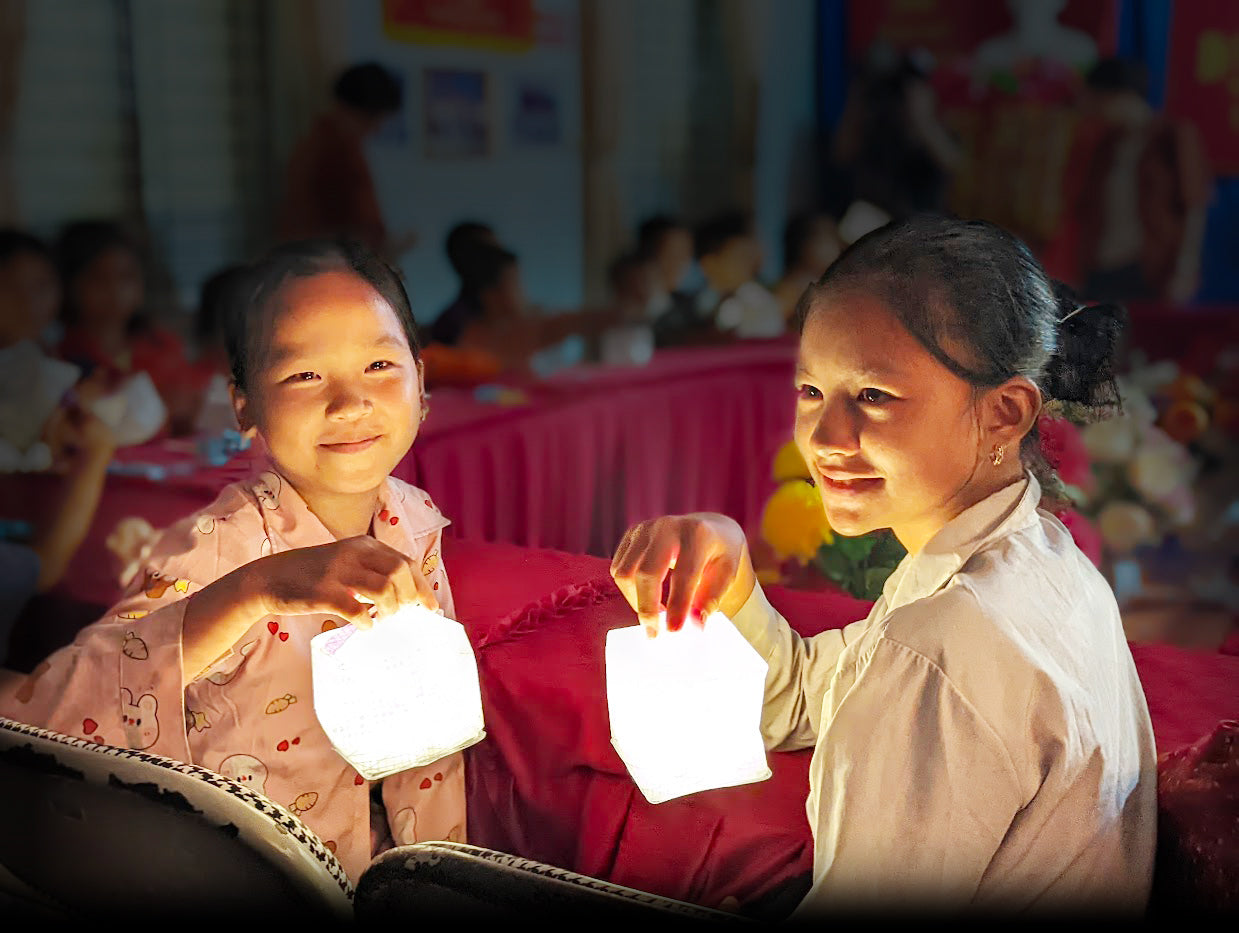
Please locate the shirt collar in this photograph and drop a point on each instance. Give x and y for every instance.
(999, 514)
(402, 512)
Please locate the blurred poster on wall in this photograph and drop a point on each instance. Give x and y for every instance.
(457, 114)
(497, 25)
(1202, 77)
(535, 113)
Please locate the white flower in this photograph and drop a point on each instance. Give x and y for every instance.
(1160, 467)
(1124, 526)
(1136, 404)
(1110, 441)
(1148, 379)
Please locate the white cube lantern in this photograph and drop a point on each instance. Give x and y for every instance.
(399, 695)
(686, 707)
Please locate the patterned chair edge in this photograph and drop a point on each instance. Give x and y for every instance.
(284, 821)
(434, 852)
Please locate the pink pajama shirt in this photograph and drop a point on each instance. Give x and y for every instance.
(250, 715)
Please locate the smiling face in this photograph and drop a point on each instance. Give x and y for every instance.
(892, 437)
(334, 388)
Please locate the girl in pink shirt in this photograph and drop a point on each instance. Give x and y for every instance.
(207, 659)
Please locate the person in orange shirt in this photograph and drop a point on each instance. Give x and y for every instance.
(329, 189)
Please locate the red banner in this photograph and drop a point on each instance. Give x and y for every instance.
(1202, 77)
(501, 25)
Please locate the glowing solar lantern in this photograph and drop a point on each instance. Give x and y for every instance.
(399, 695)
(686, 707)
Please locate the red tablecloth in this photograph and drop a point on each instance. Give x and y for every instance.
(547, 784)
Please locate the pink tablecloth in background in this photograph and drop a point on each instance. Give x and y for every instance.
(602, 447)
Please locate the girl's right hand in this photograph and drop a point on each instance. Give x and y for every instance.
(357, 579)
(706, 556)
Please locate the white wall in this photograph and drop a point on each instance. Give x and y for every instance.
(531, 196)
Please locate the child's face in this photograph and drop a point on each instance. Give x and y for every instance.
(29, 297)
(109, 290)
(891, 436)
(334, 388)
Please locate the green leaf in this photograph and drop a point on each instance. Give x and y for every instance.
(888, 552)
(855, 549)
(875, 579)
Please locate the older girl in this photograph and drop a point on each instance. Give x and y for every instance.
(981, 739)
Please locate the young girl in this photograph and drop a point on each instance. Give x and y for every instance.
(208, 660)
(981, 740)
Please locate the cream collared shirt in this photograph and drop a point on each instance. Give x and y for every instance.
(981, 740)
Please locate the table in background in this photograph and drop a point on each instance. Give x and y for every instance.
(591, 451)
(599, 448)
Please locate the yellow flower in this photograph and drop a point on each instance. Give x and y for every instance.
(788, 464)
(793, 522)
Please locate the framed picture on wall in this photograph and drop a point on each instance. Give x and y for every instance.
(456, 109)
(536, 113)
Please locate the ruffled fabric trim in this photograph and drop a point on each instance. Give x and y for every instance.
(556, 605)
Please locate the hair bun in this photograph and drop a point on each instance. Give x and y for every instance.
(1081, 371)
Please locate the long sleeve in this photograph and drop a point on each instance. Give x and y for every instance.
(801, 670)
(120, 681)
(913, 790)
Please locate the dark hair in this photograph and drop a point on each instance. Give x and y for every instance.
(977, 299)
(300, 260)
(622, 265)
(370, 88)
(652, 232)
(714, 234)
(15, 242)
(1119, 74)
(798, 231)
(224, 290)
(462, 239)
(484, 268)
(82, 242)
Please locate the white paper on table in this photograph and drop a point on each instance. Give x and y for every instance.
(686, 707)
(399, 695)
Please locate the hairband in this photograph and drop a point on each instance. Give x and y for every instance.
(1078, 309)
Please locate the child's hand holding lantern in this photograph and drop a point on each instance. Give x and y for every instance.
(708, 560)
(357, 579)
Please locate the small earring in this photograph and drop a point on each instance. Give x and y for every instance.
(425, 411)
(996, 457)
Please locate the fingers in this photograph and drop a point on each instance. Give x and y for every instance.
(640, 565)
(395, 579)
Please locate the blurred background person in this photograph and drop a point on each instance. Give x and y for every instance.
(667, 244)
(29, 289)
(124, 352)
(329, 186)
(890, 142)
(1143, 194)
(460, 245)
(811, 242)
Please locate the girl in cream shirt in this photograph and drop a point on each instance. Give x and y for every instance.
(981, 740)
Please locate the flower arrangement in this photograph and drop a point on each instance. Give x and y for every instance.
(1155, 482)
(797, 545)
